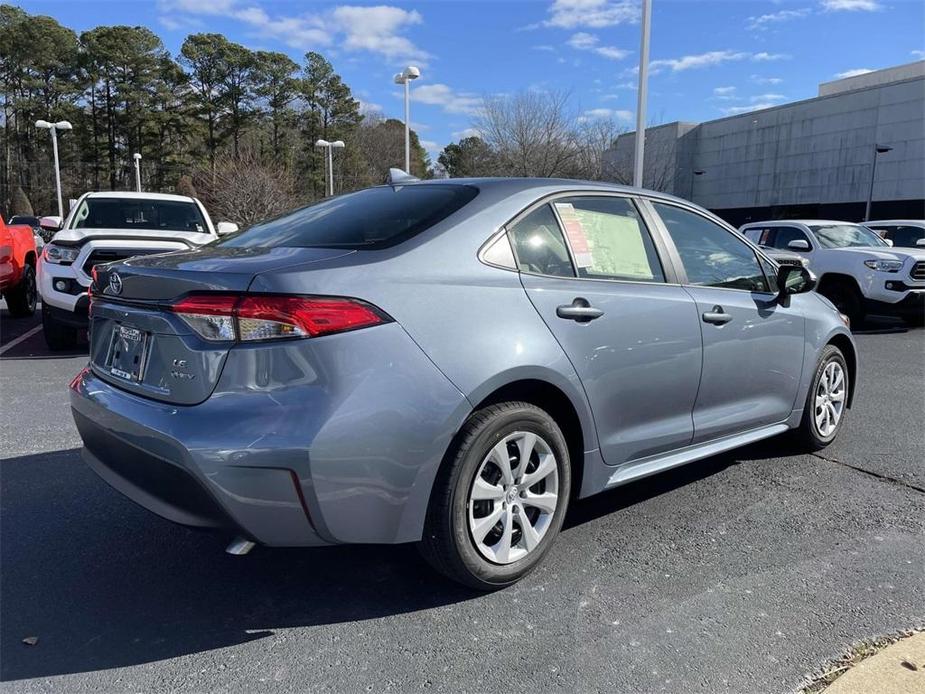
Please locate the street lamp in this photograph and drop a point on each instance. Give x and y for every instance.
(137, 157)
(405, 77)
(878, 149)
(330, 147)
(55, 127)
(642, 94)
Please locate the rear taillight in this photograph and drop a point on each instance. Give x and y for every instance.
(256, 317)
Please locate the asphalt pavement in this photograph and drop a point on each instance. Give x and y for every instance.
(741, 573)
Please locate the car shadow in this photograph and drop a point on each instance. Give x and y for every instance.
(103, 584)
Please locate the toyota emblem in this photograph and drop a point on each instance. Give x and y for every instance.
(115, 283)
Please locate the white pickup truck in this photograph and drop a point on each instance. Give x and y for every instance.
(858, 271)
(105, 227)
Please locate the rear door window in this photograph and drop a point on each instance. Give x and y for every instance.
(608, 239)
(367, 219)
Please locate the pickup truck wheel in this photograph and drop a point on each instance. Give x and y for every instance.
(22, 298)
(500, 498)
(847, 299)
(57, 335)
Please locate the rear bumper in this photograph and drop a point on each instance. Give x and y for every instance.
(300, 444)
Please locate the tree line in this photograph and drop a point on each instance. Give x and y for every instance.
(229, 124)
(215, 110)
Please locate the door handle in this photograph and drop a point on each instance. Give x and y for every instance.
(580, 310)
(717, 316)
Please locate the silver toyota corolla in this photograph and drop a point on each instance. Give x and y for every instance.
(448, 363)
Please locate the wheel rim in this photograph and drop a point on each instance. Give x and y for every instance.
(830, 398)
(31, 293)
(513, 497)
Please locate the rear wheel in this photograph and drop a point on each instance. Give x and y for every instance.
(501, 497)
(57, 335)
(847, 299)
(22, 298)
(827, 401)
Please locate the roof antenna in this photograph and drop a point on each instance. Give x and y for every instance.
(397, 177)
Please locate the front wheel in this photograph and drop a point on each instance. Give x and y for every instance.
(827, 401)
(22, 298)
(500, 498)
(847, 299)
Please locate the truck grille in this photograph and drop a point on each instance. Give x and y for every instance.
(918, 271)
(110, 255)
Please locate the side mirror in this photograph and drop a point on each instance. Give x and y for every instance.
(792, 279)
(798, 245)
(920, 242)
(223, 228)
(51, 223)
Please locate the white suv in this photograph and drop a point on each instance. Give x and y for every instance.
(104, 227)
(858, 271)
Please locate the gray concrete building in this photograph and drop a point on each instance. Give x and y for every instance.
(811, 158)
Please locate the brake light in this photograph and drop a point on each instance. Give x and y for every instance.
(257, 317)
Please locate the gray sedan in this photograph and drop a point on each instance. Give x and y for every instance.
(448, 363)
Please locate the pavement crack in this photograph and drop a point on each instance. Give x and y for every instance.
(870, 473)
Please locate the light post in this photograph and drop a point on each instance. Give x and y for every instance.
(329, 157)
(137, 157)
(642, 94)
(404, 77)
(55, 127)
(878, 149)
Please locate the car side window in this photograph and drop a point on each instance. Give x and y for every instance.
(539, 245)
(770, 273)
(785, 235)
(608, 239)
(712, 256)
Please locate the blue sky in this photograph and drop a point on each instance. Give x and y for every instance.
(709, 58)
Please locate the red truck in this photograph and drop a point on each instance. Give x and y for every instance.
(17, 268)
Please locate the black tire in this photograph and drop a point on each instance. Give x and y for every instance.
(847, 299)
(447, 544)
(808, 435)
(21, 299)
(58, 336)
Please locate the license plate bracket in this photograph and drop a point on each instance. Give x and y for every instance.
(128, 351)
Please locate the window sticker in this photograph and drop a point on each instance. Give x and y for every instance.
(575, 232)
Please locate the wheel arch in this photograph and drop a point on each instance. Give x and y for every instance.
(830, 278)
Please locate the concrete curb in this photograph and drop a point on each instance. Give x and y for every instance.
(897, 669)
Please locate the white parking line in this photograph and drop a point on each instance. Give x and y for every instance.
(22, 338)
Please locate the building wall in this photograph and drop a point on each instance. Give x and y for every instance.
(804, 156)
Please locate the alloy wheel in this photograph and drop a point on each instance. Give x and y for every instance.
(829, 405)
(513, 497)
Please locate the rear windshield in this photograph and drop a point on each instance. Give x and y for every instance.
(137, 213)
(369, 219)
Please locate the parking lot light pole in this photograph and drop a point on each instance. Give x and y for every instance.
(405, 77)
(329, 161)
(642, 94)
(137, 157)
(878, 149)
(55, 127)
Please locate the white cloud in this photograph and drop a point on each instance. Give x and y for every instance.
(852, 73)
(851, 5)
(605, 113)
(917, 54)
(545, 47)
(594, 14)
(766, 20)
(450, 101)
(468, 132)
(377, 29)
(689, 62)
(764, 57)
(759, 79)
(767, 98)
(369, 108)
(723, 91)
(583, 41)
(179, 22)
(430, 145)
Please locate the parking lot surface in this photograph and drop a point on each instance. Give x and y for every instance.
(741, 573)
